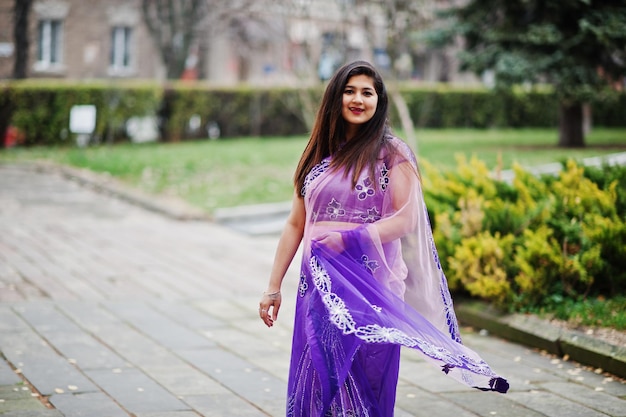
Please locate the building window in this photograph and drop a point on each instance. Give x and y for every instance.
(49, 43)
(120, 48)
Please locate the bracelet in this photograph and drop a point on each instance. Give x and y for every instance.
(272, 296)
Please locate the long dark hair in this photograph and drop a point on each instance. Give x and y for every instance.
(329, 131)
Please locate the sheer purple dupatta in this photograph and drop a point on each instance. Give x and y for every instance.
(362, 309)
(390, 290)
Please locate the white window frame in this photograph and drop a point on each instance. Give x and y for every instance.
(121, 58)
(49, 44)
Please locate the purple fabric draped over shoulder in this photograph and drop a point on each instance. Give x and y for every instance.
(386, 289)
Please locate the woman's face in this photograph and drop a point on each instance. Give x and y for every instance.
(359, 102)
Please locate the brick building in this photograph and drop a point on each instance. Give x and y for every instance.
(95, 39)
(7, 49)
(285, 42)
(79, 39)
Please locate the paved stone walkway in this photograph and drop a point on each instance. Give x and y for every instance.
(108, 310)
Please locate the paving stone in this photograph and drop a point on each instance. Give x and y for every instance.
(270, 353)
(159, 327)
(10, 321)
(17, 391)
(417, 402)
(7, 375)
(226, 404)
(44, 317)
(399, 412)
(71, 341)
(16, 400)
(169, 414)
(94, 404)
(247, 344)
(185, 313)
(136, 392)
(578, 374)
(225, 309)
(491, 404)
(241, 377)
(89, 315)
(552, 405)
(41, 365)
(429, 378)
(36, 275)
(32, 413)
(135, 348)
(594, 399)
(84, 351)
(184, 381)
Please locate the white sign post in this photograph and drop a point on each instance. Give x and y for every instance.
(83, 123)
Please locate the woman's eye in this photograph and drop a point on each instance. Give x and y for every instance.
(348, 92)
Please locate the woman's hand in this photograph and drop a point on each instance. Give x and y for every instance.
(333, 241)
(269, 306)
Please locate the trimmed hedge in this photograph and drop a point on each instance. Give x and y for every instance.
(241, 111)
(446, 107)
(40, 109)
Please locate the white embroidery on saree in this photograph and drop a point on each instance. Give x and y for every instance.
(383, 180)
(303, 285)
(451, 321)
(374, 333)
(315, 172)
(370, 264)
(338, 313)
(372, 215)
(335, 209)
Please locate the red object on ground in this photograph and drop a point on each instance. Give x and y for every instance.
(12, 137)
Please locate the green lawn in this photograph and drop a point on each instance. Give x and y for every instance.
(231, 172)
(527, 147)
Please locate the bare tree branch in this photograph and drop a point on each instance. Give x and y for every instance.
(173, 25)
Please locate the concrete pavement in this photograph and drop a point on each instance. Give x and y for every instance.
(110, 309)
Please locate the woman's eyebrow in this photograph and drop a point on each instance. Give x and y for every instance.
(354, 87)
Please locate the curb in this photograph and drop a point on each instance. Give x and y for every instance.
(255, 220)
(533, 332)
(170, 207)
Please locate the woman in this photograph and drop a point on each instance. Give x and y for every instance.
(370, 277)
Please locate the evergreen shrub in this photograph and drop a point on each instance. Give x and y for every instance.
(533, 242)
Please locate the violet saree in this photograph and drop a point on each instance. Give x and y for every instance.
(356, 307)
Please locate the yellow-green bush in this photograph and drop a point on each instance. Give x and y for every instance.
(480, 265)
(535, 240)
